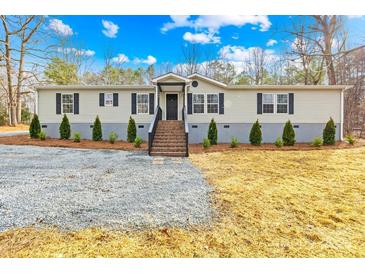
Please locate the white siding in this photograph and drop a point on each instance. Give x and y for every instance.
(89, 107)
(240, 106)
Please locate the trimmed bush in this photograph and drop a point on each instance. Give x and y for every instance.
(213, 132)
(77, 137)
(234, 142)
(206, 143)
(256, 134)
(65, 129)
(278, 142)
(42, 135)
(97, 131)
(137, 142)
(288, 134)
(317, 142)
(329, 133)
(132, 130)
(350, 139)
(35, 127)
(113, 137)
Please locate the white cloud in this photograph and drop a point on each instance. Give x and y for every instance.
(214, 22)
(110, 29)
(150, 60)
(120, 59)
(201, 38)
(60, 28)
(240, 56)
(77, 52)
(271, 42)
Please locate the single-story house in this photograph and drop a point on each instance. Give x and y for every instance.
(174, 110)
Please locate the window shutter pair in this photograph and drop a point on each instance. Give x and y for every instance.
(259, 103)
(151, 103)
(76, 103)
(220, 107)
(102, 99)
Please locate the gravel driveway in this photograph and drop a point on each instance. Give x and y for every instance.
(77, 188)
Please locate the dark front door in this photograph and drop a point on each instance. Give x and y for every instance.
(171, 106)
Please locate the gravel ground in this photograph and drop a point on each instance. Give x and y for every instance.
(13, 133)
(77, 188)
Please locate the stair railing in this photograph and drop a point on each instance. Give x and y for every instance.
(186, 129)
(153, 126)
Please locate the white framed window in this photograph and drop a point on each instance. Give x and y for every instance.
(282, 103)
(67, 103)
(142, 103)
(268, 103)
(198, 103)
(108, 99)
(212, 103)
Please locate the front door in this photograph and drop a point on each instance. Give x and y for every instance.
(171, 106)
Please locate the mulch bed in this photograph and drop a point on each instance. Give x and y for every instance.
(198, 148)
(51, 142)
(193, 148)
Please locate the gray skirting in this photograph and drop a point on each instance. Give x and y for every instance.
(270, 132)
(198, 131)
(52, 130)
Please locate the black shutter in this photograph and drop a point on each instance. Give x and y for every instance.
(76, 103)
(221, 103)
(190, 103)
(101, 99)
(152, 103)
(115, 99)
(58, 103)
(291, 103)
(134, 100)
(259, 103)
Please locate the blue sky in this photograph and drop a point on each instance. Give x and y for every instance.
(143, 40)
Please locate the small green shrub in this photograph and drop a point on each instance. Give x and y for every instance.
(65, 129)
(137, 142)
(206, 143)
(278, 142)
(97, 130)
(132, 130)
(256, 134)
(113, 137)
(77, 137)
(288, 134)
(213, 132)
(317, 142)
(42, 135)
(350, 139)
(35, 127)
(234, 142)
(329, 133)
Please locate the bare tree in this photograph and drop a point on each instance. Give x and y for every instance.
(17, 34)
(191, 55)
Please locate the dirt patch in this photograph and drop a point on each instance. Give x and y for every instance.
(20, 127)
(51, 142)
(198, 148)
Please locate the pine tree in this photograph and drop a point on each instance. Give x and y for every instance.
(35, 127)
(132, 131)
(213, 132)
(288, 134)
(97, 130)
(329, 133)
(256, 134)
(65, 129)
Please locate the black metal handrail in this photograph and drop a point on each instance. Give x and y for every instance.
(186, 129)
(152, 130)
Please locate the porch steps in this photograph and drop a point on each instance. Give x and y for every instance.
(169, 139)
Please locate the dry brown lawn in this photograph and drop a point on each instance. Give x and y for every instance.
(19, 127)
(269, 204)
